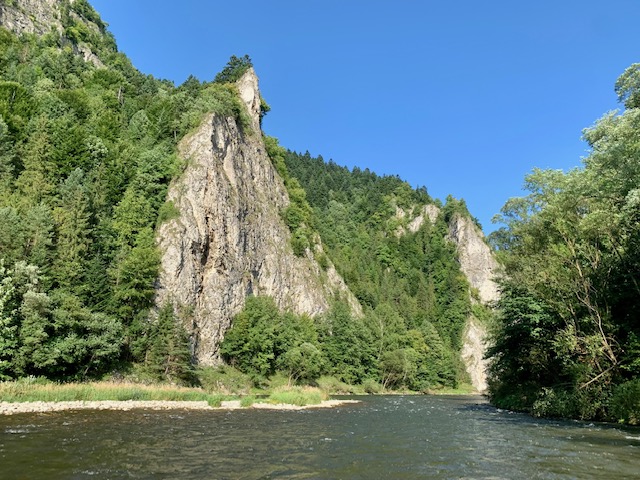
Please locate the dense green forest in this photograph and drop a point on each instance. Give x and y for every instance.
(568, 338)
(415, 298)
(86, 155)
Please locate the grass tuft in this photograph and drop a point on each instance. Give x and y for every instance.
(300, 396)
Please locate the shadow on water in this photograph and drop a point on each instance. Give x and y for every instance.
(591, 433)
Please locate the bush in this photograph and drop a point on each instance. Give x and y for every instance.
(371, 386)
(224, 379)
(331, 385)
(234, 69)
(625, 402)
(576, 403)
(298, 396)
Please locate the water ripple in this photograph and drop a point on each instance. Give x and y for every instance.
(384, 437)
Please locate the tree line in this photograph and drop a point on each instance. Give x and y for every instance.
(568, 338)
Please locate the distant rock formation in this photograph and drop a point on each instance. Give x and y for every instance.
(42, 16)
(31, 16)
(480, 267)
(229, 240)
(476, 259)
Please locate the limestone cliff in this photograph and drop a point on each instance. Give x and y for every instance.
(475, 256)
(480, 267)
(43, 16)
(31, 16)
(229, 240)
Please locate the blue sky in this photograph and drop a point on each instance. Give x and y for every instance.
(461, 96)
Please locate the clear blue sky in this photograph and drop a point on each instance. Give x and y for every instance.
(462, 96)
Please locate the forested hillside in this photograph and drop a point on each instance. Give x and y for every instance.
(409, 283)
(568, 340)
(88, 148)
(86, 154)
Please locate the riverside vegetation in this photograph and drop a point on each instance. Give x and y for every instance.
(567, 341)
(86, 156)
(120, 395)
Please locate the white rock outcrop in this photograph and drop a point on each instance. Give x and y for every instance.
(31, 16)
(475, 256)
(480, 267)
(474, 346)
(429, 212)
(229, 240)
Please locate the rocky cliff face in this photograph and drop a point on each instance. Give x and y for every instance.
(476, 259)
(31, 16)
(42, 16)
(480, 267)
(229, 240)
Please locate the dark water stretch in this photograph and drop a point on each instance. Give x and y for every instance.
(383, 437)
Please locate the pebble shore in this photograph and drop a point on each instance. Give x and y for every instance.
(11, 408)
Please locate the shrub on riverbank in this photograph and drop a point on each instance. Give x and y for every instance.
(224, 379)
(331, 385)
(300, 396)
(625, 404)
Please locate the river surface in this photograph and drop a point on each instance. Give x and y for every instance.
(384, 437)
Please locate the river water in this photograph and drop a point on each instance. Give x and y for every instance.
(384, 437)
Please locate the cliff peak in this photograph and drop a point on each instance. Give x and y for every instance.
(250, 94)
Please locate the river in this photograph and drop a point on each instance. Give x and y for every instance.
(384, 437)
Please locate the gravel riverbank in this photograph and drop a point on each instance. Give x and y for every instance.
(11, 408)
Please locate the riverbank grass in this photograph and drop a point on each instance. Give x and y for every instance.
(299, 396)
(21, 391)
(461, 389)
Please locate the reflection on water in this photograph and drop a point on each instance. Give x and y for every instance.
(399, 437)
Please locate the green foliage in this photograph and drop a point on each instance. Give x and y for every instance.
(234, 69)
(371, 386)
(224, 378)
(304, 362)
(168, 356)
(416, 299)
(262, 340)
(347, 345)
(168, 211)
(298, 215)
(250, 343)
(331, 385)
(39, 389)
(86, 157)
(297, 396)
(625, 402)
(86, 11)
(567, 332)
(52, 335)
